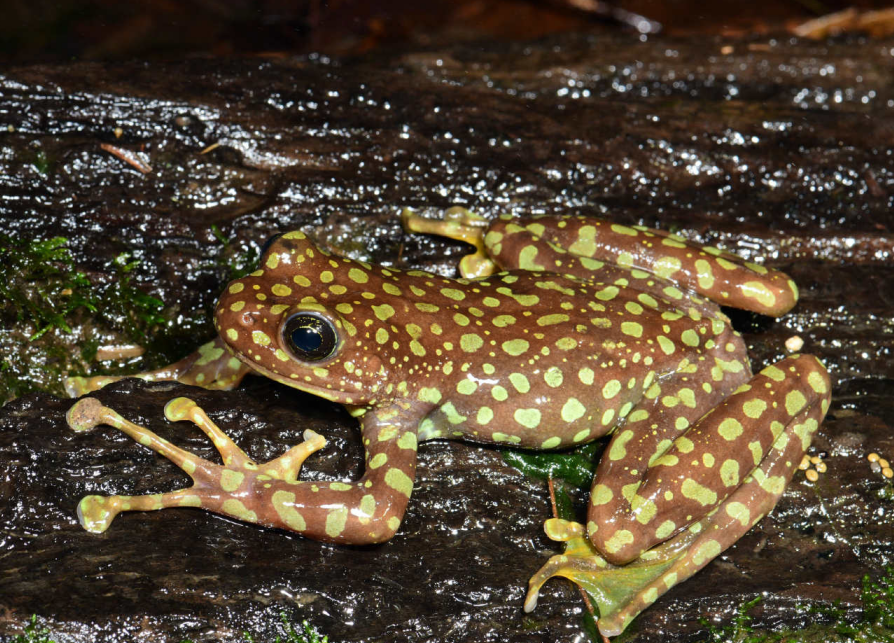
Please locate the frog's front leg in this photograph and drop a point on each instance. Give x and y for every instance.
(366, 511)
(695, 496)
(212, 366)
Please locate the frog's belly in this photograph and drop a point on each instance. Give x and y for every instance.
(513, 413)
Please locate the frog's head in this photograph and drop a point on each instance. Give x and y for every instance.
(320, 323)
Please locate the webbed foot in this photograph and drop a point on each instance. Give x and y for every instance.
(621, 592)
(223, 489)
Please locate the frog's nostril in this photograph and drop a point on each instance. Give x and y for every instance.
(248, 319)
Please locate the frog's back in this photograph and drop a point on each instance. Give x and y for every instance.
(541, 360)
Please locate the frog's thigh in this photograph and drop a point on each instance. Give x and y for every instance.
(212, 366)
(668, 409)
(735, 446)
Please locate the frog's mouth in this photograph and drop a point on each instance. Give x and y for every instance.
(330, 394)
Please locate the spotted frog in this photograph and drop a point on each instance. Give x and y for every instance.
(561, 330)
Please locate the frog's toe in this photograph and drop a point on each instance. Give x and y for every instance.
(85, 415)
(95, 513)
(179, 409)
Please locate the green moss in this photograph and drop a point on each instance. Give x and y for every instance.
(53, 319)
(33, 634)
(875, 624)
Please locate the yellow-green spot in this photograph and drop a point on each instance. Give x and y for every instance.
(399, 481)
(611, 389)
(453, 293)
(236, 288)
(466, 387)
(461, 320)
(284, 504)
(581, 435)
(817, 383)
(622, 229)
(754, 408)
(573, 410)
(529, 418)
(235, 508)
(378, 460)
(694, 491)
(600, 495)
(471, 342)
(553, 377)
(618, 450)
(326, 276)
(738, 511)
(705, 274)
(485, 415)
(550, 320)
(336, 520)
(644, 510)
(426, 308)
(633, 329)
(759, 292)
(383, 311)
(230, 480)
(501, 321)
(407, 441)
(608, 293)
(586, 375)
(520, 382)
(617, 542)
(358, 276)
(665, 529)
(794, 402)
(499, 393)
(730, 429)
(515, 347)
(301, 280)
(666, 267)
(428, 394)
(551, 443)
(260, 337)
(526, 259)
(690, 337)
(729, 473)
(585, 244)
(706, 551)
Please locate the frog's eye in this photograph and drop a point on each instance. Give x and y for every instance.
(310, 337)
(269, 242)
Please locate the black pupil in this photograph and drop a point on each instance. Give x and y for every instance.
(307, 339)
(310, 337)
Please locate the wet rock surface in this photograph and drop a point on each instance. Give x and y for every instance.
(774, 149)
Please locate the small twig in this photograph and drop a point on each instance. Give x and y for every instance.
(128, 157)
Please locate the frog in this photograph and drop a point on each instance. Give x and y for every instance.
(559, 330)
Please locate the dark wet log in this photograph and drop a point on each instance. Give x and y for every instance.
(774, 149)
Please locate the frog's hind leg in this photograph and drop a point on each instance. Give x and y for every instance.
(651, 260)
(212, 366)
(730, 468)
(96, 513)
